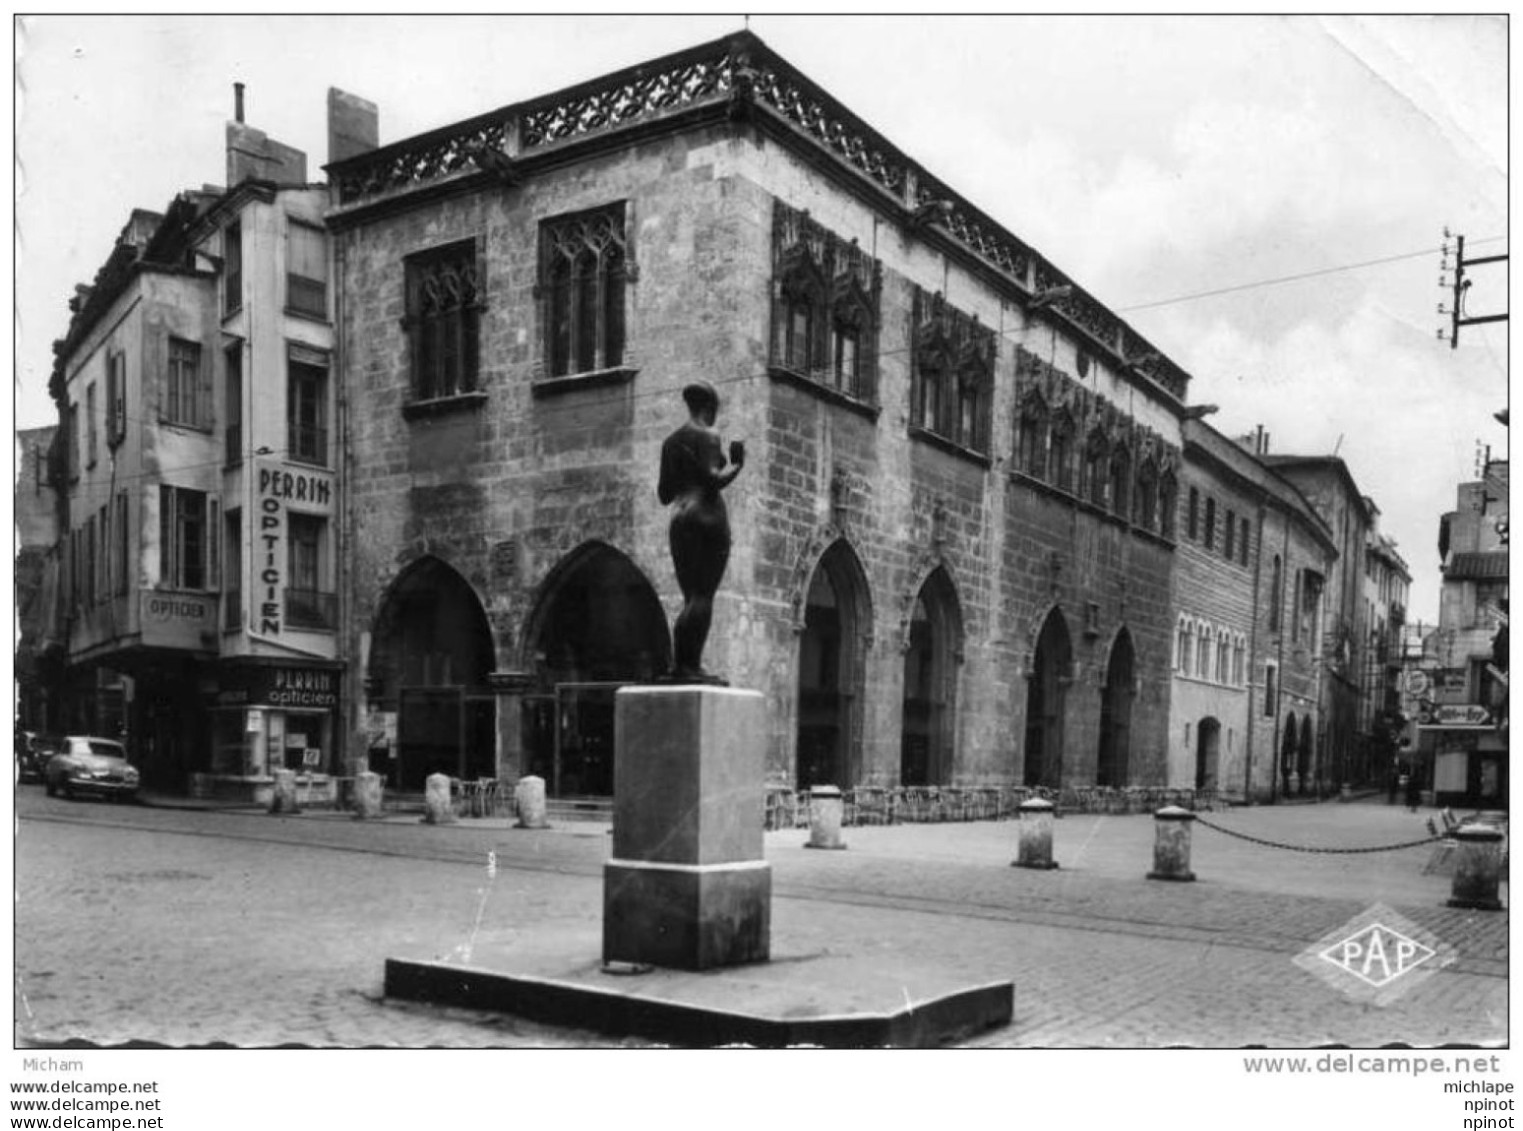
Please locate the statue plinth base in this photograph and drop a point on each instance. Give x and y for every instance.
(688, 886)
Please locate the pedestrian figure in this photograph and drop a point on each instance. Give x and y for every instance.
(693, 472)
(1393, 779)
(1414, 794)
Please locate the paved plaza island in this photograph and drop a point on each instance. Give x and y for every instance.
(686, 950)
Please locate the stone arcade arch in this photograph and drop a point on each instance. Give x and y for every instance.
(597, 624)
(831, 663)
(930, 683)
(1046, 690)
(430, 656)
(1113, 764)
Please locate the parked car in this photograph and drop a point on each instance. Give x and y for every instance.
(32, 753)
(85, 764)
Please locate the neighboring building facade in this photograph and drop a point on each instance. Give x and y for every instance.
(1327, 616)
(1462, 737)
(953, 535)
(38, 694)
(1244, 707)
(1387, 582)
(195, 399)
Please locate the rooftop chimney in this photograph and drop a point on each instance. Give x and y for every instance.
(237, 102)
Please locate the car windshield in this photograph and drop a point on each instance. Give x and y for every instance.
(107, 749)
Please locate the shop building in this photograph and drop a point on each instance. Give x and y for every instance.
(199, 545)
(1462, 711)
(955, 531)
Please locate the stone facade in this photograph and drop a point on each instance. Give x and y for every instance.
(879, 410)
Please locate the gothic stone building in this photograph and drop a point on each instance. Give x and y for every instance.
(954, 533)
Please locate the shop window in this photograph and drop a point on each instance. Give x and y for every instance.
(583, 268)
(443, 320)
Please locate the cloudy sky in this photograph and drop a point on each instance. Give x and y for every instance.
(1263, 197)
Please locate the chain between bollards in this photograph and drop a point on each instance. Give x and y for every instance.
(1316, 849)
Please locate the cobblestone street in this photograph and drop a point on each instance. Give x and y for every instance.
(191, 928)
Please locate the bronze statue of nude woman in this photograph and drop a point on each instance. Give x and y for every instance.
(693, 473)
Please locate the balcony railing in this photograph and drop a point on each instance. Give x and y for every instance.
(311, 608)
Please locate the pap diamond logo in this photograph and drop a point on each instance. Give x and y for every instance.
(1378, 954)
(1376, 957)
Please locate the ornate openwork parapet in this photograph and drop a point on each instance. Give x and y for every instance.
(737, 79)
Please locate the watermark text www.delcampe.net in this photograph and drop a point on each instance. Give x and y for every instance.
(1364, 1064)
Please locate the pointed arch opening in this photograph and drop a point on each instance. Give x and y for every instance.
(596, 626)
(830, 671)
(1208, 739)
(430, 656)
(1113, 766)
(926, 753)
(1046, 693)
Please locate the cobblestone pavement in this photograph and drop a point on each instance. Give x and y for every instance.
(189, 928)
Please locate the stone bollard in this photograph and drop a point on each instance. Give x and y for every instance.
(1036, 817)
(825, 811)
(437, 809)
(1477, 868)
(367, 796)
(1171, 847)
(529, 797)
(283, 800)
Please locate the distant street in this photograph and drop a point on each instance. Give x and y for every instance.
(190, 928)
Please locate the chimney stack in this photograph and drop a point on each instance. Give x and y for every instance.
(238, 102)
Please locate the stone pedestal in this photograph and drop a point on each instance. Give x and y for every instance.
(529, 800)
(1171, 844)
(437, 809)
(367, 796)
(283, 799)
(825, 814)
(687, 886)
(1477, 868)
(1035, 834)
